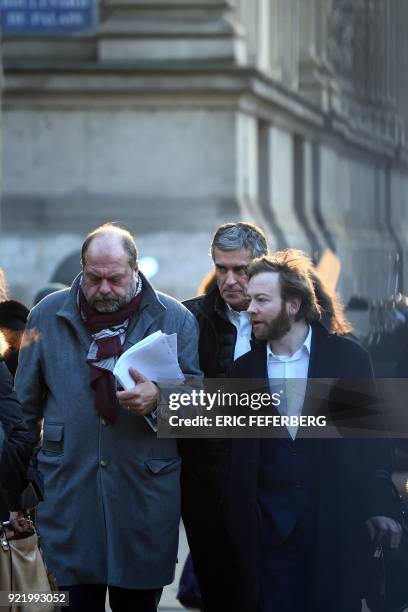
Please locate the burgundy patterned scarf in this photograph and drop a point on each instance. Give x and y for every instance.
(108, 331)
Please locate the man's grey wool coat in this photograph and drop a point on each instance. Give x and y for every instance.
(111, 506)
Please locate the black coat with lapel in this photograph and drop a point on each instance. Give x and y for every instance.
(353, 476)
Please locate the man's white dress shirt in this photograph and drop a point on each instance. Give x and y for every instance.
(242, 322)
(281, 370)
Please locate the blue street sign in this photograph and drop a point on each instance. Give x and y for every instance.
(47, 16)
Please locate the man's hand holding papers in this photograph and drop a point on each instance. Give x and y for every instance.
(152, 359)
(142, 399)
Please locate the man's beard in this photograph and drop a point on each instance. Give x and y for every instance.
(276, 329)
(105, 304)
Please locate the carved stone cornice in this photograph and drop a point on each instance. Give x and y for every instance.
(181, 30)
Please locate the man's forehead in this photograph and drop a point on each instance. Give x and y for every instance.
(106, 250)
(265, 282)
(235, 257)
(106, 268)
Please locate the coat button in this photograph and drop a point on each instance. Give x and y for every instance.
(103, 463)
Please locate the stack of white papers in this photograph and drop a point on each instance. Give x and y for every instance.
(155, 357)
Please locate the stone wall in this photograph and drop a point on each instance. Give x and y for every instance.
(176, 116)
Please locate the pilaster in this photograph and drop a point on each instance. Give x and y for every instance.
(315, 71)
(284, 42)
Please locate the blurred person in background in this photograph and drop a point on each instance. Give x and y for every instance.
(47, 290)
(13, 318)
(15, 446)
(333, 316)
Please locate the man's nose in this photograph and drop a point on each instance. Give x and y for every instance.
(230, 278)
(104, 287)
(251, 308)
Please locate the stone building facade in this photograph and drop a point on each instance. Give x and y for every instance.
(175, 116)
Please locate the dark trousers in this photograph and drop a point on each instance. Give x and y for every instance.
(289, 580)
(214, 564)
(91, 598)
(286, 574)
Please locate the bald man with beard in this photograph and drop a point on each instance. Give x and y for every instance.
(111, 510)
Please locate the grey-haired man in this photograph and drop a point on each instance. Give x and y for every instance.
(225, 335)
(225, 327)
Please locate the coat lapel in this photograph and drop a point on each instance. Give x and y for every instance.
(257, 367)
(319, 377)
(150, 310)
(319, 352)
(321, 367)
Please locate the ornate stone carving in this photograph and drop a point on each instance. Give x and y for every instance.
(348, 44)
(341, 37)
(357, 50)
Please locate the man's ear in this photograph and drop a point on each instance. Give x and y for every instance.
(293, 306)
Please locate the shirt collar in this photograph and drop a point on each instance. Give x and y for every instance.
(305, 347)
(235, 313)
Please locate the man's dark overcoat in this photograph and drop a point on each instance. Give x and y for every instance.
(200, 480)
(353, 481)
(217, 335)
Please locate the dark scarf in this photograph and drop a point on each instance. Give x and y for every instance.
(102, 379)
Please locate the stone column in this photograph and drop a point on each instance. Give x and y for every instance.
(248, 17)
(316, 76)
(246, 169)
(284, 51)
(264, 60)
(160, 30)
(275, 41)
(377, 51)
(305, 197)
(255, 20)
(277, 196)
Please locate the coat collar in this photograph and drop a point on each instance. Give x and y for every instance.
(213, 302)
(322, 341)
(70, 312)
(150, 309)
(319, 348)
